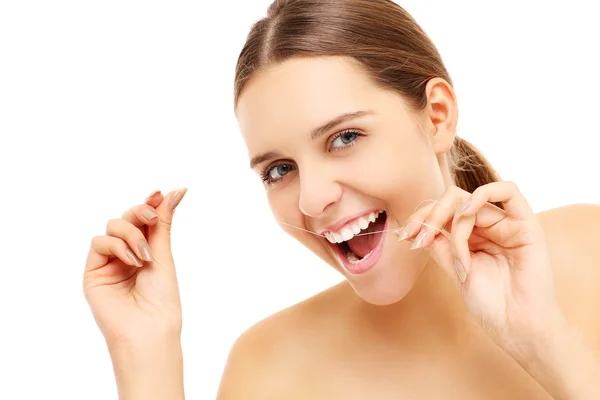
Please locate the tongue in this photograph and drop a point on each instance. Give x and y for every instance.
(362, 245)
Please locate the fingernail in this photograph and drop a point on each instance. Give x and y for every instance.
(407, 230)
(176, 198)
(149, 215)
(152, 194)
(133, 258)
(145, 250)
(419, 240)
(464, 207)
(460, 270)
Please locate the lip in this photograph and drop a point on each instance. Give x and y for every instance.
(365, 265)
(339, 224)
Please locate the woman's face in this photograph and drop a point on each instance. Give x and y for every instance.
(340, 156)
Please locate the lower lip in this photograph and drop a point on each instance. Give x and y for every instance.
(364, 265)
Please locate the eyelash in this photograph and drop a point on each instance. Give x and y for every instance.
(342, 133)
(264, 174)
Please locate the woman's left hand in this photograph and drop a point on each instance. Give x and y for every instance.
(497, 258)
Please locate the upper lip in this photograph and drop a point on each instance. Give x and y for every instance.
(335, 227)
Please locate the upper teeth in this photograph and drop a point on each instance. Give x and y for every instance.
(352, 228)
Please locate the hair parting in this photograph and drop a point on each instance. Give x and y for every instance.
(381, 37)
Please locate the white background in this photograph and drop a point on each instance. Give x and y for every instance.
(103, 102)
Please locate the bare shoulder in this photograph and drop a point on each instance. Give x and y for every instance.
(573, 237)
(572, 234)
(260, 361)
(576, 216)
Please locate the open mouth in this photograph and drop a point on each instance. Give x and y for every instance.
(358, 243)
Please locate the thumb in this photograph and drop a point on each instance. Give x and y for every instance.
(159, 235)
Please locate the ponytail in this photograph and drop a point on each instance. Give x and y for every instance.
(470, 168)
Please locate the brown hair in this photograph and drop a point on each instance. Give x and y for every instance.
(381, 36)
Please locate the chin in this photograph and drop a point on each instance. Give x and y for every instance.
(391, 278)
(375, 265)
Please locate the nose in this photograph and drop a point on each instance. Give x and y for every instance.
(318, 191)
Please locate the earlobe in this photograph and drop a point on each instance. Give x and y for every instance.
(442, 112)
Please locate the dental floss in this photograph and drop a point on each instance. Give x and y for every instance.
(442, 231)
(321, 235)
(395, 230)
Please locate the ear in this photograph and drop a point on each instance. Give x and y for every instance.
(441, 114)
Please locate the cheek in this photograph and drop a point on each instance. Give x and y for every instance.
(283, 201)
(400, 178)
(285, 209)
(283, 206)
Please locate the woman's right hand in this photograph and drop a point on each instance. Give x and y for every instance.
(130, 281)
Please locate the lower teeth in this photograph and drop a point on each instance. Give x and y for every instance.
(354, 259)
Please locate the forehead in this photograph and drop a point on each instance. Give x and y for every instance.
(300, 94)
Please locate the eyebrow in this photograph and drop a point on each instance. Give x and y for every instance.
(314, 134)
(340, 119)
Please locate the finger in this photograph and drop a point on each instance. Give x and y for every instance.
(154, 198)
(488, 218)
(430, 221)
(443, 251)
(515, 204)
(159, 235)
(103, 247)
(414, 223)
(132, 235)
(439, 217)
(141, 215)
(462, 228)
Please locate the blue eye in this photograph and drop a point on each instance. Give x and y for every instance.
(275, 173)
(344, 139)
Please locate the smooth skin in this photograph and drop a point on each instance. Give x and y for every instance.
(501, 307)
(135, 299)
(147, 356)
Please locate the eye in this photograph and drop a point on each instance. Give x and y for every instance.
(345, 139)
(276, 172)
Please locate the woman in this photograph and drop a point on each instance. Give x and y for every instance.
(453, 289)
